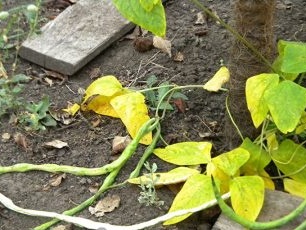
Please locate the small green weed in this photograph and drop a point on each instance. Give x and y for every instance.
(148, 194)
(10, 101)
(158, 96)
(36, 117)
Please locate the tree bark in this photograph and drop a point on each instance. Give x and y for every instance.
(254, 20)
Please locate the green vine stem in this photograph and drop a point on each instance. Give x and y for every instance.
(257, 225)
(81, 171)
(109, 180)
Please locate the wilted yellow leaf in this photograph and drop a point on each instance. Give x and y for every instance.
(99, 94)
(295, 187)
(196, 191)
(133, 112)
(231, 162)
(213, 170)
(221, 77)
(185, 153)
(174, 176)
(72, 109)
(247, 196)
(3, 73)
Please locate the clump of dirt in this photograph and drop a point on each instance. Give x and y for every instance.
(91, 147)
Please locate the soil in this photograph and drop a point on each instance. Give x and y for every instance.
(92, 147)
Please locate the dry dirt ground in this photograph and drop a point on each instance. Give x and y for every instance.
(91, 147)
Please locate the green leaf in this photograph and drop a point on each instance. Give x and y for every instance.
(286, 103)
(196, 191)
(230, 162)
(247, 196)
(185, 153)
(259, 158)
(290, 159)
(295, 187)
(148, 4)
(177, 95)
(48, 121)
(277, 65)
(255, 88)
(294, 60)
(153, 20)
(174, 176)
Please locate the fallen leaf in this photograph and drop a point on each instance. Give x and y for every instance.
(61, 116)
(95, 73)
(120, 143)
(21, 140)
(95, 122)
(94, 188)
(162, 44)
(49, 81)
(108, 204)
(72, 109)
(62, 227)
(215, 83)
(56, 75)
(179, 57)
(3, 73)
(201, 20)
(180, 104)
(56, 181)
(57, 144)
(6, 137)
(142, 44)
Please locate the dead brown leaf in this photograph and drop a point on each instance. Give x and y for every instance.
(49, 81)
(3, 73)
(143, 44)
(57, 144)
(56, 75)
(61, 116)
(108, 204)
(6, 137)
(180, 104)
(21, 140)
(95, 73)
(162, 44)
(179, 57)
(201, 20)
(57, 180)
(120, 143)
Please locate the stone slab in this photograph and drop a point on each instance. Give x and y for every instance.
(76, 36)
(277, 204)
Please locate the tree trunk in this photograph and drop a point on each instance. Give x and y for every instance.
(253, 19)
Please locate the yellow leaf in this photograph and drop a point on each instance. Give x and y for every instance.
(272, 141)
(213, 170)
(295, 187)
(197, 190)
(72, 109)
(269, 184)
(230, 162)
(3, 73)
(185, 153)
(247, 196)
(255, 89)
(133, 112)
(99, 94)
(175, 176)
(221, 77)
(106, 86)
